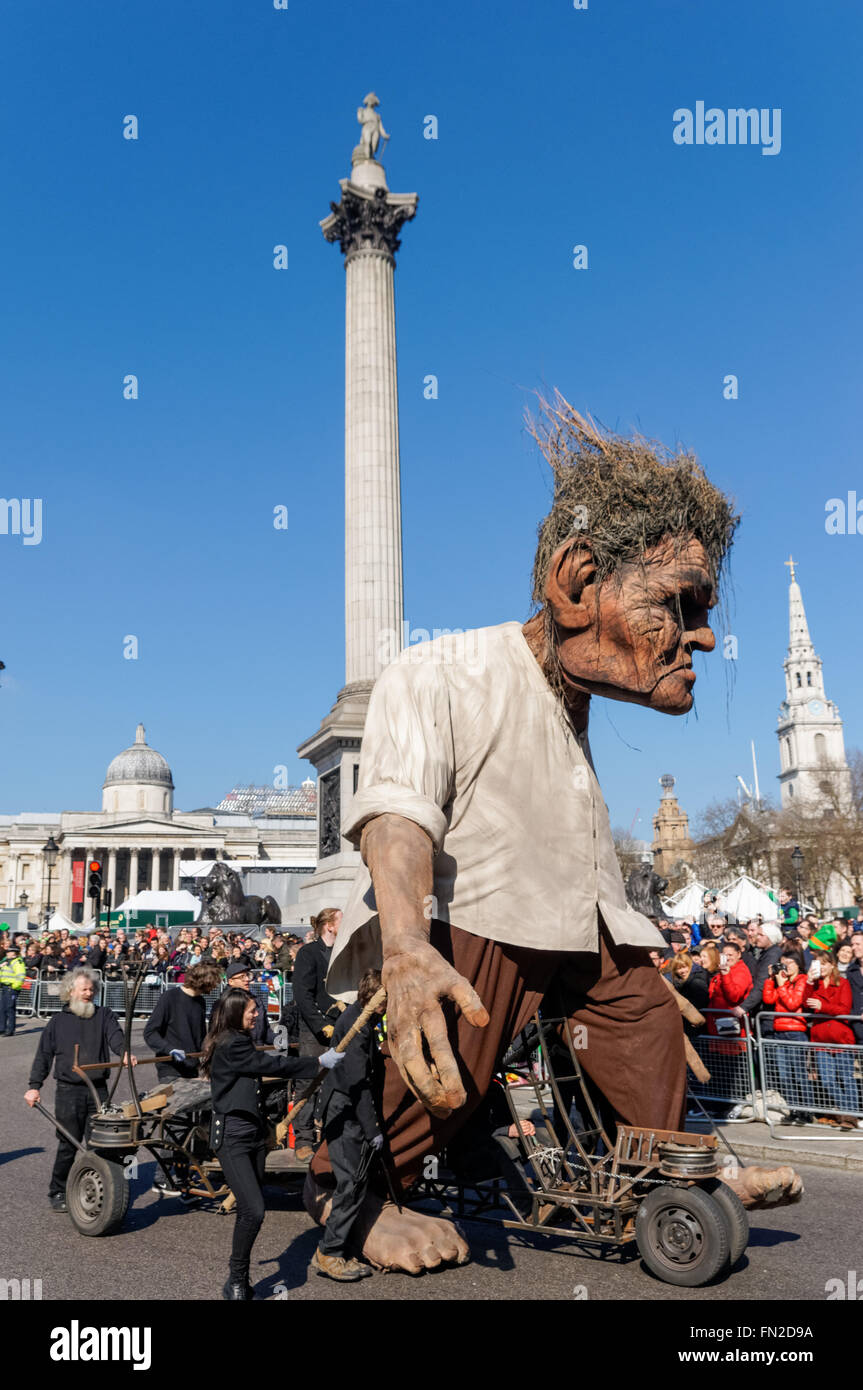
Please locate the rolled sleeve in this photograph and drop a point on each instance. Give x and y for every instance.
(407, 766)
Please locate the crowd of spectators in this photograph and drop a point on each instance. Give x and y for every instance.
(167, 956)
(802, 973)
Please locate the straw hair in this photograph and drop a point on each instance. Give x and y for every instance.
(622, 495)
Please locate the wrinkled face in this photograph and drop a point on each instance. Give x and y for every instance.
(82, 989)
(644, 623)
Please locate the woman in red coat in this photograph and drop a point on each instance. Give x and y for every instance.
(828, 993)
(731, 983)
(785, 990)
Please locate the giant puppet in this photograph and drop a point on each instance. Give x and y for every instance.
(490, 883)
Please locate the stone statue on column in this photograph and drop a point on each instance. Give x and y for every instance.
(372, 129)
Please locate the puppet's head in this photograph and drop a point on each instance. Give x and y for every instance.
(629, 562)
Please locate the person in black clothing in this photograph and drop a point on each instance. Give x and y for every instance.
(235, 1068)
(854, 976)
(96, 954)
(98, 1034)
(353, 1133)
(492, 1145)
(178, 1024)
(240, 977)
(317, 1010)
(768, 943)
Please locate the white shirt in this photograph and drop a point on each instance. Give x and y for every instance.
(465, 737)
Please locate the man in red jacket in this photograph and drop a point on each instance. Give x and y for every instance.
(785, 990)
(830, 995)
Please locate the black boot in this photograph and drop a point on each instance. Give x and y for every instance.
(236, 1292)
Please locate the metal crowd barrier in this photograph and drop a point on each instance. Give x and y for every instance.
(42, 996)
(28, 996)
(813, 1078)
(730, 1059)
(114, 996)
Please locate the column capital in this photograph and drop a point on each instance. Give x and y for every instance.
(368, 220)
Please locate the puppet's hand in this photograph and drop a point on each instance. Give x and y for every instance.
(416, 980)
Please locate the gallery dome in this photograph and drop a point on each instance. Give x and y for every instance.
(140, 764)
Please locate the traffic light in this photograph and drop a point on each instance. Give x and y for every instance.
(94, 889)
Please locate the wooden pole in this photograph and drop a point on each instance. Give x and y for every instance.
(691, 1014)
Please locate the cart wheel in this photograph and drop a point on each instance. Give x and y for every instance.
(97, 1195)
(682, 1235)
(736, 1218)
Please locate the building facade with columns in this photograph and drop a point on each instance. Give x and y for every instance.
(142, 842)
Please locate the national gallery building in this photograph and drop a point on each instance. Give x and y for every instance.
(143, 843)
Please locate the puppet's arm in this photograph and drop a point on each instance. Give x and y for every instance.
(399, 856)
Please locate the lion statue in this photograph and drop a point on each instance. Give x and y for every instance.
(643, 888)
(223, 900)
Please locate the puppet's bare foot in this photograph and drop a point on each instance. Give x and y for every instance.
(765, 1187)
(393, 1239)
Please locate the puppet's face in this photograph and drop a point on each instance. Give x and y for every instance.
(632, 637)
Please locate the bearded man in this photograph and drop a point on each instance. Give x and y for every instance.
(490, 883)
(97, 1034)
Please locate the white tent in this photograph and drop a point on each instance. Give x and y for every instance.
(60, 923)
(149, 901)
(687, 904)
(745, 898)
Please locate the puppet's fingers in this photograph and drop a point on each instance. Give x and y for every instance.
(469, 1002)
(408, 1051)
(434, 1026)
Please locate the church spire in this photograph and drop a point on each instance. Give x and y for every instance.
(799, 641)
(811, 741)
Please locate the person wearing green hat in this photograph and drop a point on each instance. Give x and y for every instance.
(824, 939)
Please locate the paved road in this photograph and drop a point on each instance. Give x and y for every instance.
(168, 1252)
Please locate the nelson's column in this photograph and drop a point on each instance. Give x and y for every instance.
(366, 223)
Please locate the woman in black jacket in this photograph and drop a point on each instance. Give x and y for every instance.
(235, 1068)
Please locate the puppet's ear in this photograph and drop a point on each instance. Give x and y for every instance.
(571, 570)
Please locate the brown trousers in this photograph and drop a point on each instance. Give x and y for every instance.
(634, 1037)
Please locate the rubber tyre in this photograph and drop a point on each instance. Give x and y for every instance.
(97, 1195)
(682, 1236)
(735, 1213)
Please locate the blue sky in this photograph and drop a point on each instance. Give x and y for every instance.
(155, 257)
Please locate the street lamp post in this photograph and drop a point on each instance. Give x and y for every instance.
(50, 852)
(797, 861)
